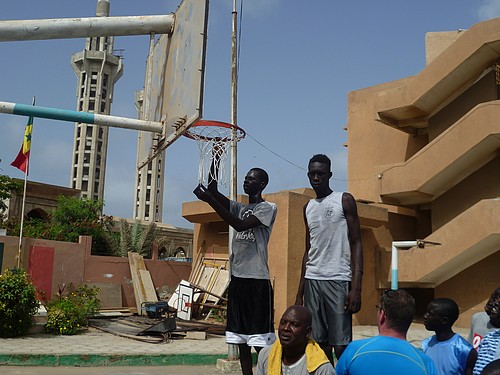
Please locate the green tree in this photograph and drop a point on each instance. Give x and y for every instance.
(73, 217)
(134, 237)
(7, 186)
(18, 303)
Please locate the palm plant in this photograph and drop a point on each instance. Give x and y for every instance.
(134, 237)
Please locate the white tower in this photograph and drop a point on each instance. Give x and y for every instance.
(149, 180)
(97, 70)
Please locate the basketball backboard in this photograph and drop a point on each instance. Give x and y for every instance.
(173, 89)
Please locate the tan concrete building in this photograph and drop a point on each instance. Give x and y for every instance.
(41, 200)
(423, 163)
(426, 148)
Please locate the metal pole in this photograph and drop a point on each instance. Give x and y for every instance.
(64, 28)
(394, 260)
(24, 200)
(76, 116)
(233, 353)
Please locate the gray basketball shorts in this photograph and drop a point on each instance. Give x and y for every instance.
(325, 299)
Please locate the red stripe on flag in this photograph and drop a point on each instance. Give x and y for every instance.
(21, 161)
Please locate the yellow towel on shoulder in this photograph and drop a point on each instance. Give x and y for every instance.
(315, 357)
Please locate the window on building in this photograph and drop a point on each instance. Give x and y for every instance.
(92, 93)
(89, 131)
(85, 171)
(99, 146)
(148, 195)
(148, 181)
(80, 107)
(85, 185)
(91, 105)
(96, 187)
(105, 80)
(93, 78)
(97, 173)
(103, 106)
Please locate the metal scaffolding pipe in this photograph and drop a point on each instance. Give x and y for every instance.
(75, 116)
(64, 28)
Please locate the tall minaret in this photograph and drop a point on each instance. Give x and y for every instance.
(97, 70)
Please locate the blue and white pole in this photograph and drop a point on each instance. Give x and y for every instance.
(85, 117)
(394, 260)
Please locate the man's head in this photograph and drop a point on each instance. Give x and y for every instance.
(294, 328)
(255, 181)
(319, 172)
(492, 308)
(492, 368)
(396, 310)
(441, 313)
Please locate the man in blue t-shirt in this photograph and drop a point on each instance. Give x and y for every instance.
(389, 352)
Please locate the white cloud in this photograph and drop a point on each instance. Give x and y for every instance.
(489, 9)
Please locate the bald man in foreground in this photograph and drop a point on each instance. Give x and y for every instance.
(295, 353)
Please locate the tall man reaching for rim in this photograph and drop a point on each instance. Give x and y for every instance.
(250, 296)
(332, 266)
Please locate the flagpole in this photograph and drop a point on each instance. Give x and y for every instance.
(22, 207)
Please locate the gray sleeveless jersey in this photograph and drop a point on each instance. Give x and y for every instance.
(330, 252)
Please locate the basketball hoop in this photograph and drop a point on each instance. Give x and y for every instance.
(213, 139)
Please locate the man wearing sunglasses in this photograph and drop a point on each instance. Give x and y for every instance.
(389, 352)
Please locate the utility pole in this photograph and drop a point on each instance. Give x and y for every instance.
(233, 353)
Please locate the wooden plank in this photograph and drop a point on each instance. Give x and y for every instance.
(219, 287)
(148, 286)
(144, 289)
(205, 277)
(135, 281)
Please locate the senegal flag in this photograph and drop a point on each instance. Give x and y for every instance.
(22, 158)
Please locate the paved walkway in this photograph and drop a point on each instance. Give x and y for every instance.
(97, 348)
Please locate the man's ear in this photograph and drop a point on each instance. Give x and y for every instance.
(309, 329)
(381, 318)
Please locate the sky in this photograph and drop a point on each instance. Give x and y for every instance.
(298, 61)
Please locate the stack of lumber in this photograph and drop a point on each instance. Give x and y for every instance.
(144, 289)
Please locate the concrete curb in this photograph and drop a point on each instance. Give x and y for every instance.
(95, 360)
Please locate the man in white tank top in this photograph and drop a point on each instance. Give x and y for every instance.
(332, 267)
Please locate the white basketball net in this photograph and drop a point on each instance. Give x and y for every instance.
(214, 143)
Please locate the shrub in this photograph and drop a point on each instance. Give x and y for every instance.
(18, 303)
(68, 313)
